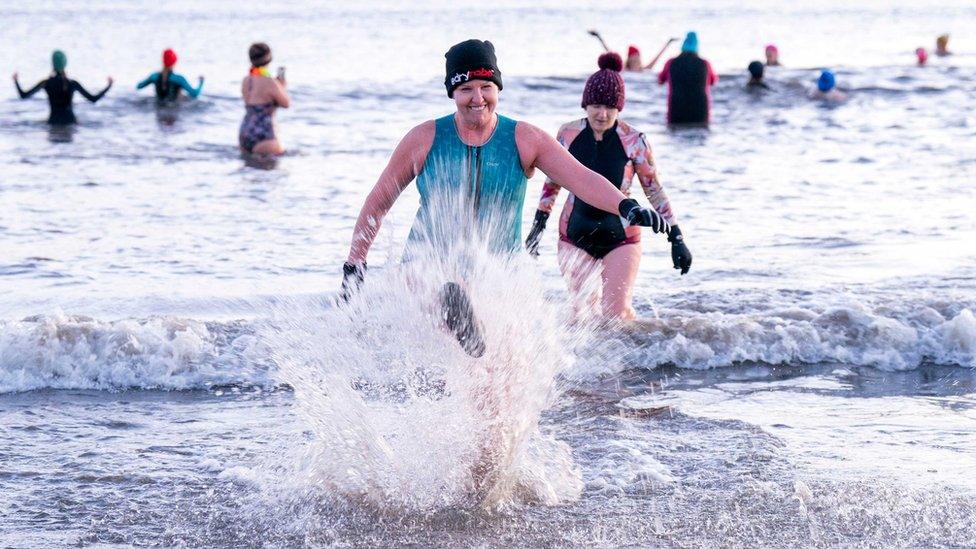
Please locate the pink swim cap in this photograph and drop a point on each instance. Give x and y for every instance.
(922, 55)
(772, 48)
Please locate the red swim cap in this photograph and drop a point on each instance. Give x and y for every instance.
(169, 58)
(632, 50)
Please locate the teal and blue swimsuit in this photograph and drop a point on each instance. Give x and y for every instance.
(169, 89)
(484, 182)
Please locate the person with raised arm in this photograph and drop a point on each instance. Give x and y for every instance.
(167, 83)
(60, 91)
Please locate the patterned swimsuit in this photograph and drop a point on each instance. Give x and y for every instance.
(622, 154)
(258, 125)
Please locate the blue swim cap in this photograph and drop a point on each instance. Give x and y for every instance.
(691, 43)
(826, 81)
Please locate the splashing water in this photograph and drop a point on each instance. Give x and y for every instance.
(401, 416)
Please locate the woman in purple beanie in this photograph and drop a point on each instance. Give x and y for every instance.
(592, 241)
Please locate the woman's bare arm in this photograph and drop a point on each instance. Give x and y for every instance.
(405, 164)
(540, 149)
(280, 93)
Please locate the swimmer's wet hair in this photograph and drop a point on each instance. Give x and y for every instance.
(259, 53)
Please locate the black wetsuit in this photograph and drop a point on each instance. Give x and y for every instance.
(591, 229)
(689, 77)
(166, 89)
(60, 91)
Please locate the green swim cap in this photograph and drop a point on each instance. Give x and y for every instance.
(59, 60)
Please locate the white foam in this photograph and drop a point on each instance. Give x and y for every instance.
(239, 475)
(959, 337)
(72, 352)
(626, 460)
(210, 464)
(402, 417)
(61, 351)
(854, 334)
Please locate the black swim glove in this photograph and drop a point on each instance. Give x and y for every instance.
(352, 279)
(680, 254)
(634, 214)
(539, 225)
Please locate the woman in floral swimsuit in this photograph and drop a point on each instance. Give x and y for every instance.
(592, 241)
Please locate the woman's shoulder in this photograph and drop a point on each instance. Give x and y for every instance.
(632, 138)
(574, 125)
(571, 128)
(421, 135)
(624, 128)
(259, 79)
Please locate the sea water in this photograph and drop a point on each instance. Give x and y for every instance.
(174, 368)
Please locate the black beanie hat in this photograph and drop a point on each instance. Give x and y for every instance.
(471, 60)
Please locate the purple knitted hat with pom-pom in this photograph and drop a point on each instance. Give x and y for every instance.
(606, 86)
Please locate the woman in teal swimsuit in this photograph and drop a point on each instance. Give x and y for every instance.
(494, 155)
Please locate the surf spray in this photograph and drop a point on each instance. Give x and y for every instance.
(400, 415)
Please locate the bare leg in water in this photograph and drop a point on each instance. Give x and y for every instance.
(618, 271)
(579, 268)
(268, 147)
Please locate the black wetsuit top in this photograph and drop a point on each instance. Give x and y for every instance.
(166, 89)
(591, 229)
(60, 91)
(688, 103)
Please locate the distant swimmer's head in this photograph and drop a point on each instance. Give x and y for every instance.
(772, 55)
(603, 94)
(827, 81)
(942, 45)
(260, 54)
(690, 45)
(922, 55)
(473, 79)
(58, 60)
(756, 69)
(634, 58)
(169, 58)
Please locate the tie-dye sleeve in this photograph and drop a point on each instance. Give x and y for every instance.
(647, 174)
(550, 190)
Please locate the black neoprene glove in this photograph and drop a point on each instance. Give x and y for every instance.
(680, 254)
(539, 225)
(634, 214)
(352, 279)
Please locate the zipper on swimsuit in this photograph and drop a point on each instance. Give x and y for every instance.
(474, 173)
(477, 179)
